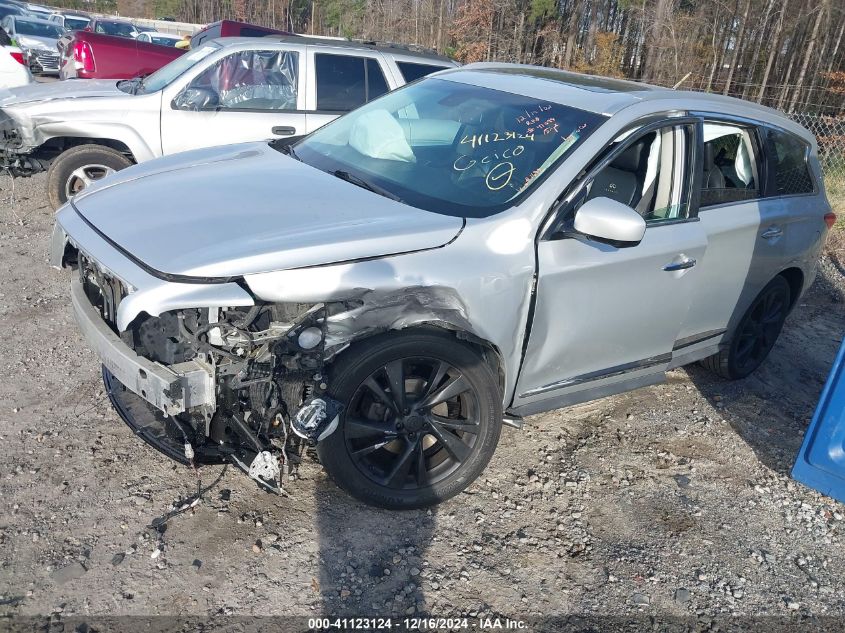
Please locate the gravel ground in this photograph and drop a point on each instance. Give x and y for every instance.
(673, 500)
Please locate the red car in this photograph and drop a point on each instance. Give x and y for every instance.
(230, 28)
(87, 55)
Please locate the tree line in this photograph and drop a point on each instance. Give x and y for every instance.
(788, 54)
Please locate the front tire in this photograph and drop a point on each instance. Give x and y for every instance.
(423, 417)
(756, 333)
(78, 167)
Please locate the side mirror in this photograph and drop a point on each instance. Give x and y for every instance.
(610, 220)
(196, 99)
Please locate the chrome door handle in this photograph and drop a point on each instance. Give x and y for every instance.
(772, 231)
(682, 265)
(283, 130)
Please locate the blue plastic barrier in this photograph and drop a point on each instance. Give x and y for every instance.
(821, 461)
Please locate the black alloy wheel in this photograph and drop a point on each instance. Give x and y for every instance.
(756, 334)
(423, 417)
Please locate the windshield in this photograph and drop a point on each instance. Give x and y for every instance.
(115, 28)
(166, 74)
(76, 24)
(164, 40)
(37, 29)
(449, 147)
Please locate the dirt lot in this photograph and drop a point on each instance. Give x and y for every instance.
(670, 501)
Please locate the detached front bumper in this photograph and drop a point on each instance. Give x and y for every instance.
(44, 62)
(15, 157)
(172, 390)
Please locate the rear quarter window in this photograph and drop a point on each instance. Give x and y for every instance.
(789, 173)
(411, 71)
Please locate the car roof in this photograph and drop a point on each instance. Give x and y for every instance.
(113, 21)
(162, 34)
(605, 95)
(27, 18)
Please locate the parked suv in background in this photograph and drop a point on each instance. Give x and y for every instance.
(119, 28)
(70, 21)
(226, 91)
(490, 242)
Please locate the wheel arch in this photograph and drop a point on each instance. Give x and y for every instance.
(795, 278)
(57, 145)
(488, 351)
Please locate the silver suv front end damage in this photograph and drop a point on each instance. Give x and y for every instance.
(214, 384)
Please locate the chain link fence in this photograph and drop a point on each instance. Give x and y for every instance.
(830, 134)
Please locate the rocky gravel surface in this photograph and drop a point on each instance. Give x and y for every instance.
(673, 500)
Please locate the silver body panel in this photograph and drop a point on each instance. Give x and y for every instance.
(291, 221)
(598, 319)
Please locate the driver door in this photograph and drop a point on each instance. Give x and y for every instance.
(607, 316)
(247, 95)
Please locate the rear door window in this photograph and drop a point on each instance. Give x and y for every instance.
(411, 71)
(730, 165)
(789, 173)
(345, 82)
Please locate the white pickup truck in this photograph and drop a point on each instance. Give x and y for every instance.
(225, 91)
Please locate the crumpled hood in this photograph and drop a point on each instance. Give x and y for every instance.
(44, 42)
(71, 89)
(246, 209)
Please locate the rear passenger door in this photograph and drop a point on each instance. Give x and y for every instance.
(341, 81)
(744, 232)
(244, 95)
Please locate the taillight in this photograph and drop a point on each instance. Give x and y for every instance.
(18, 57)
(830, 219)
(84, 57)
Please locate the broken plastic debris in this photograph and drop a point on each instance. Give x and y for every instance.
(317, 419)
(265, 467)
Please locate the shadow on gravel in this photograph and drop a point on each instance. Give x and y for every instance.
(770, 410)
(370, 559)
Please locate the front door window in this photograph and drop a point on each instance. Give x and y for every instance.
(246, 80)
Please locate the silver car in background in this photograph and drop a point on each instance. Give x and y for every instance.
(490, 242)
(38, 39)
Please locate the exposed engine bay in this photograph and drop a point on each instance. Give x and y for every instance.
(268, 366)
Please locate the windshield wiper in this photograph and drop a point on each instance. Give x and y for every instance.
(357, 180)
(288, 149)
(131, 85)
(141, 88)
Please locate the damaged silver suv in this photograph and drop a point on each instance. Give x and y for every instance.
(487, 243)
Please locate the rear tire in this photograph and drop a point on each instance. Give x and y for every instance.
(78, 167)
(428, 445)
(756, 333)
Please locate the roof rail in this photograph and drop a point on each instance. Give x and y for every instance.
(414, 48)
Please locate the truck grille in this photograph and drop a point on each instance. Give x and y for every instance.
(104, 291)
(47, 60)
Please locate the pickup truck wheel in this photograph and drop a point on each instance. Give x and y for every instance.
(423, 417)
(78, 167)
(756, 333)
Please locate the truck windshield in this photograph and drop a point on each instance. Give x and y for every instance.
(449, 147)
(166, 74)
(122, 29)
(76, 24)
